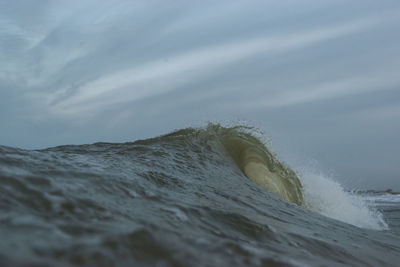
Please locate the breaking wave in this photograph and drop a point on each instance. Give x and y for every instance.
(170, 200)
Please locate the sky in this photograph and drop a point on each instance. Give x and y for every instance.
(319, 78)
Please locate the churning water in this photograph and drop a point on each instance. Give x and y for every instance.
(213, 196)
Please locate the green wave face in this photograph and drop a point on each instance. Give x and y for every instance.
(259, 165)
(249, 154)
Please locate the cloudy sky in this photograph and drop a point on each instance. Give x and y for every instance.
(321, 78)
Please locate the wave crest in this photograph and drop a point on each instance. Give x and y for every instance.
(259, 165)
(252, 157)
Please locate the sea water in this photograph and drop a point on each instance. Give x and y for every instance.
(185, 199)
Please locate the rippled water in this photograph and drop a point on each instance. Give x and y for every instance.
(182, 199)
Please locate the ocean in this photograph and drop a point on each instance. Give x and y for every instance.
(211, 196)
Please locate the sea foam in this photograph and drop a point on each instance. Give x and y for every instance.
(324, 195)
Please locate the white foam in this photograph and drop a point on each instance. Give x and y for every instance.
(327, 197)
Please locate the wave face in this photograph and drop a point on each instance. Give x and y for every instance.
(213, 196)
(259, 165)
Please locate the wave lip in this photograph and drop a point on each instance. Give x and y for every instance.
(259, 165)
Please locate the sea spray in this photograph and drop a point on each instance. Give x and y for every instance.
(327, 197)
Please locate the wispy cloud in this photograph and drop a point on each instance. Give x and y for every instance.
(328, 90)
(382, 113)
(173, 71)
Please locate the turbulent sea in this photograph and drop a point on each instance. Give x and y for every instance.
(210, 196)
